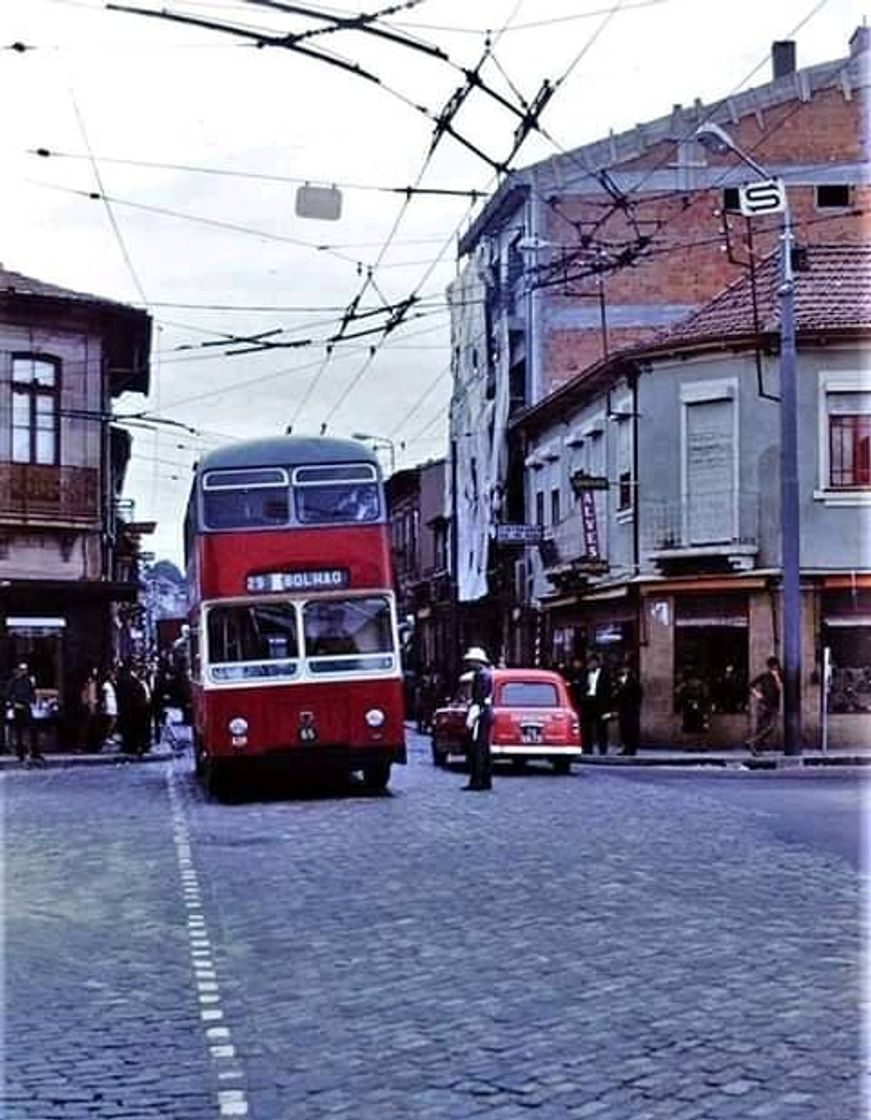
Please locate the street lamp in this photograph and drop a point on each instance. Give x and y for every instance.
(716, 138)
(379, 441)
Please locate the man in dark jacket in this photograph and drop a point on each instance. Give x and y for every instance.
(20, 698)
(479, 719)
(766, 690)
(628, 694)
(595, 706)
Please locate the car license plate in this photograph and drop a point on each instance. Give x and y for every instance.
(530, 734)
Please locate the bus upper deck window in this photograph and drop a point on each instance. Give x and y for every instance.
(336, 494)
(253, 498)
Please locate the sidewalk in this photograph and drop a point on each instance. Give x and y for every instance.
(173, 743)
(736, 758)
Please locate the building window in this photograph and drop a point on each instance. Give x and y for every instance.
(539, 507)
(832, 196)
(625, 488)
(849, 449)
(440, 544)
(35, 395)
(709, 435)
(554, 507)
(844, 451)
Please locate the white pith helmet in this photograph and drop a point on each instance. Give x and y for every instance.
(475, 653)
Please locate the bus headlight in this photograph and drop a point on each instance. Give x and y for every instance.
(238, 726)
(375, 717)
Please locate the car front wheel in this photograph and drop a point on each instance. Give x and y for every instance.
(562, 765)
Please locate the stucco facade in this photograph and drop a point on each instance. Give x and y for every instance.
(682, 568)
(63, 357)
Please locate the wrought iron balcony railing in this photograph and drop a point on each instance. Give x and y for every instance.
(719, 520)
(32, 491)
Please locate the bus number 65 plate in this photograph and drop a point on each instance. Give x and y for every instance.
(308, 733)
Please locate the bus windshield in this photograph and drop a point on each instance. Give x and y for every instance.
(344, 635)
(250, 641)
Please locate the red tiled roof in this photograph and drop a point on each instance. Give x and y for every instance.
(832, 293)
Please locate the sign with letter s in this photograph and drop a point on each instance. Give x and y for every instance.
(765, 196)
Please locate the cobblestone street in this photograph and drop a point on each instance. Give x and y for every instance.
(579, 947)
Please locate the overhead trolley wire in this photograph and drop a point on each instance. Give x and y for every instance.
(450, 108)
(529, 26)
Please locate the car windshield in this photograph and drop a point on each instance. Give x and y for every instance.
(529, 694)
(250, 641)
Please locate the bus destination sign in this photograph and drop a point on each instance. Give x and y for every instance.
(310, 579)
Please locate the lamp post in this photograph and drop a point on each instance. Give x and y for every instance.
(713, 136)
(379, 441)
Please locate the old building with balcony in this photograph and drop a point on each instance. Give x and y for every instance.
(66, 559)
(655, 479)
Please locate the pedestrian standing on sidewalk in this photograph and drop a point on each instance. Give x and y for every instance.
(134, 711)
(595, 706)
(89, 711)
(479, 719)
(164, 696)
(576, 682)
(108, 708)
(694, 702)
(140, 710)
(627, 697)
(20, 698)
(766, 690)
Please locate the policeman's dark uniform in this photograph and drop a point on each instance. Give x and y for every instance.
(480, 765)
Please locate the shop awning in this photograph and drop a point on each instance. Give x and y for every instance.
(847, 582)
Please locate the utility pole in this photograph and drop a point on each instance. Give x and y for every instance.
(767, 197)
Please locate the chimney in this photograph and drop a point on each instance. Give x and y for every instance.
(783, 57)
(859, 41)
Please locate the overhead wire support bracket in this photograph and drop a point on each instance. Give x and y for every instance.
(233, 339)
(294, 344)
(258, 37)
(361, 22)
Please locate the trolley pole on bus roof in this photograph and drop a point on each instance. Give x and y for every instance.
(379, 441)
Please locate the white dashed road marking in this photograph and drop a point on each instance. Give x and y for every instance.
(217, 1040)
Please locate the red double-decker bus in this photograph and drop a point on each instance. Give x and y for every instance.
(293, 630)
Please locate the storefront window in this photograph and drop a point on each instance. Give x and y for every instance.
(710, 646)
(613, 641)
(847, 634)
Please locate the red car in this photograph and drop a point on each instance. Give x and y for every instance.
(533, 719)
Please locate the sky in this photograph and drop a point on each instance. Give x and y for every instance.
(198, 142)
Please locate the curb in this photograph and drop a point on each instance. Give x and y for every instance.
(63, 761)
(721, 762)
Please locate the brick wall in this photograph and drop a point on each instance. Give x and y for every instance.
(686, 263)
